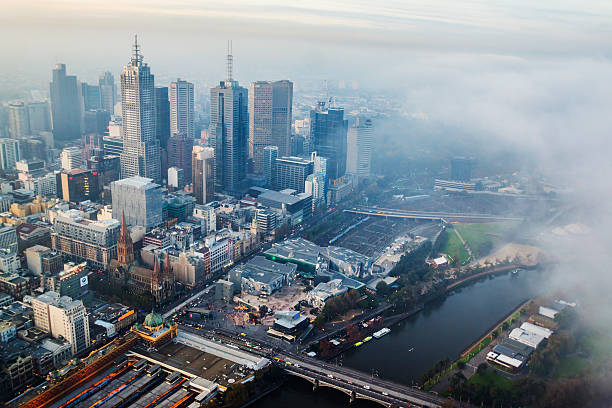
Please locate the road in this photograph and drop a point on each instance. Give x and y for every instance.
(189, 300)
(357, 381)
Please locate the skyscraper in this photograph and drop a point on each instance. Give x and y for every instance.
(71, 158)
(162, 116)
(39, 117)
(108, 93)
(229, 127)
(181, 108)
(91, 96)
(65, 105)
(140, 156)
(19, 121)
(270, 154)
(270, 110)
(203, 169)
(328, 130)
(180, 146)
(359, 148)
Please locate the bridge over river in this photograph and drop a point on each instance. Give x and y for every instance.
(428, 215)
(357, 384)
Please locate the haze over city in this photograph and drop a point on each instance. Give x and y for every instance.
(277, 203)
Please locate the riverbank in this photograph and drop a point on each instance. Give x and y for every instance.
(475, 348)
(499, 269)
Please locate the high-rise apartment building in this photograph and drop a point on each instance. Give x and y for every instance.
(141, 155)
(180, 147)
(328, 130)
(66, 102)
(63, 317)
(203, 169)
(181, 108)
(176, 177)
(270, 111)
(39, 117)
(291, 172)
(108, 92)
(270, 154)
(71, 158)
(9, 153)
(359, 148)
(19, 120)
(229, 128)
(81, 239)
(139, 199)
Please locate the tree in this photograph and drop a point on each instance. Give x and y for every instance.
(482, 368)
(383, 289)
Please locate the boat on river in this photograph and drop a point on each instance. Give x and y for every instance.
(381, 332)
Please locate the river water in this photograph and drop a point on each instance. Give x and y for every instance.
(445, 328)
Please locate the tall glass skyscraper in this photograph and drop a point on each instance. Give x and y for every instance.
(328, 130)
(229, 128)
(65, 105)
(140, 156)
(181, 108)
(108, 95)
(359, 149)
(270, 110)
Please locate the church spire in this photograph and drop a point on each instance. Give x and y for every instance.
(125, 246)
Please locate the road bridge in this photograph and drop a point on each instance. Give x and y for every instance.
(356, 384)
(428, 215)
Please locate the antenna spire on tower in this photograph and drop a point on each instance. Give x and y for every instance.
(230, 62)
(137, 57)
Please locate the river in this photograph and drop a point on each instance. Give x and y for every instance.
(444, 328)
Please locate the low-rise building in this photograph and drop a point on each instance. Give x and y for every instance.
(325, 290)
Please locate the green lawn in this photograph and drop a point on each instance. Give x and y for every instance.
(571, 366)
(482, 237)
(491, 378)
(454, 247)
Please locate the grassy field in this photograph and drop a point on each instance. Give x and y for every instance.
(482, 237)
(454, 247)
(571, 365)
(492, 379)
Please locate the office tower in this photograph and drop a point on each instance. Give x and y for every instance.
(81, 239)
(328, 130)
(229, 127)
(39, 117)
(359, 148)
(181, 108)
(63, 317)
(297, 145)
(270, 110)
(19, 121)
(96, 121)
(291, 172)
(316, 187)
(162, 115)
(139, 199)
(65, 105)
(9, 153)
(203, 177)
(461, 169)
(108, 93)
(176, 177)
(77, 185)
(71, 158)
(270, 154)
(180, 147)
(140, 156)
(208, 217)
(91, 96)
